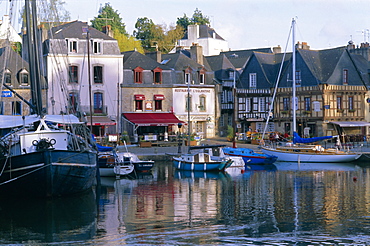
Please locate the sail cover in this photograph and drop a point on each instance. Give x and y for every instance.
(298, 139)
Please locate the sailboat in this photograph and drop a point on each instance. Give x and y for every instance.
(296, 152)
(44, 155)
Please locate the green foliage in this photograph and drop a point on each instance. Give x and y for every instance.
(197, 19)
(128, 43)
(156, 37)
(109, 16)
(230, 132)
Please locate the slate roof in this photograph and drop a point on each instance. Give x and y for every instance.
(220, 65)
(134, 59)
(239, 58)
(179, 60)
(205, 32)
(74, 30)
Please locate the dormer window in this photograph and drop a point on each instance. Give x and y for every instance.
(202, 76)
(157, 75)
(345, 76)
(96, 46)
(23, 77)
(138, 75)
(231, 74)
(187, 75)
(8, 77)
(72, 46)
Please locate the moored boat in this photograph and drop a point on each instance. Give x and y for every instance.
(200, 162)
(249, 156)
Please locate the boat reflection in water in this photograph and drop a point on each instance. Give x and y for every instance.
(39, 221)
(315, 166)
(180, 174)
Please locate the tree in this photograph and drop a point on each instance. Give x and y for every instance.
(197, 19)
(145, 32)
(157, 37)
(108, 16)
(128, 43)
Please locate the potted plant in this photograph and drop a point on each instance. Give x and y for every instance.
(230, 133)
(144, 143)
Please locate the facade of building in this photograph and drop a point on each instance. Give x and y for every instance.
(83, 75)
(156, 84)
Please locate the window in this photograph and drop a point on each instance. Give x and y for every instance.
(350, 103)
(248, 105)
(339, 103)
(187, 76)
(345, 76)
(138, 75)
(23, 78)
(261, 104)
(139, 102)
(202, 103)
(98, 102)
(73, 102)
(16, 108)
(157, 75)
(252, 80)
(307, 103)
(158, 102)
(286, 103)
(298, 77)
(73, 74)
(8, 77)
(231, 74)
(72, 46)
(201, 76)
(1, 108)
(188, 104)
(98, 74)
(96, 47)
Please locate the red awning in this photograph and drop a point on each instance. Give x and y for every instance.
(139, 97)
(152, 119)
(158, 97)
(100, 121)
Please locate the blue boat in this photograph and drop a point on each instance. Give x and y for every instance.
(201, 162)
(249, 156)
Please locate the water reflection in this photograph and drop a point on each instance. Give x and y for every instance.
(68, 219)
(312, 204)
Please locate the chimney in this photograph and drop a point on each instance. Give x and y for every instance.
(108, 30)
(196, 53)
(156, 55)
(305, 46)
(276, 50)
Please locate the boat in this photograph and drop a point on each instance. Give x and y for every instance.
(299, 150)
(112, 164)
(44, 155)
(140, 166)
(249, 156)
(203, 158)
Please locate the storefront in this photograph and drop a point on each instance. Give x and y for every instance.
(151, 126)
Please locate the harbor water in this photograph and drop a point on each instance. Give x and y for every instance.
(284, 203)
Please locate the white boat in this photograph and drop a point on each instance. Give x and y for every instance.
(298, 151)
(112, 164)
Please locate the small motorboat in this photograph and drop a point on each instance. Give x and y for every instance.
(249, 156)
(139, 165)
(112, 164)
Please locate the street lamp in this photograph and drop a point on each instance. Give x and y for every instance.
(179, 125)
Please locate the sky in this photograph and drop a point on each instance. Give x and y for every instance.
(248, 24)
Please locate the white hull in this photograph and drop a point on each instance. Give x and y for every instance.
(311, 157)
(117, 170)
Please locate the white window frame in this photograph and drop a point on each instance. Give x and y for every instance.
(253, 80)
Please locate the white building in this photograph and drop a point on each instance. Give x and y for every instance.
(206, 37)
(68, 69)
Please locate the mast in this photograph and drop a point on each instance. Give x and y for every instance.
(33, 40)
(294, 78)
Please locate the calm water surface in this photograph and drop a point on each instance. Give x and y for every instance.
(306, 204)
